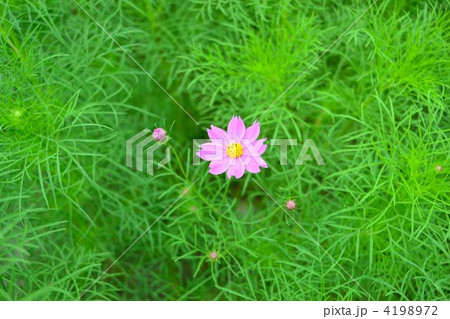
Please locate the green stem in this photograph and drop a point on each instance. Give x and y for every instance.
(185, 175)
(179, 162)
(225, 193)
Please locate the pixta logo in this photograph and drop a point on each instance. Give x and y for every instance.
(141, 142)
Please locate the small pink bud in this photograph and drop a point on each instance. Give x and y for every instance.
(290, 204)
(439, 168)
(159, 134)
(213, 255)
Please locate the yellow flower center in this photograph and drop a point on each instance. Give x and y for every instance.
(235, 150)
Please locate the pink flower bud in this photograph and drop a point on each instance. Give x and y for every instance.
(213, 255)
(290, 204)
(159, 134)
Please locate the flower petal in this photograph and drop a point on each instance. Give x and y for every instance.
(209, 147)
(214, 146)
(262, 149)
(261, 162)
(256, 159)
(219, 167)
(253, 167)
(211, 156)
(236, 128)
(252, 164)
(236, 171)
(259, 146)
(217, 133)
(252, 132)
(254, 149)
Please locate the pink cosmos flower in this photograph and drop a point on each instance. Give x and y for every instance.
(234, 151)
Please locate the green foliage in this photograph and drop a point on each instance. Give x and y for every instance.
(375, 104)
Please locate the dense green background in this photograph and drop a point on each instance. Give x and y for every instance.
(374, 104)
